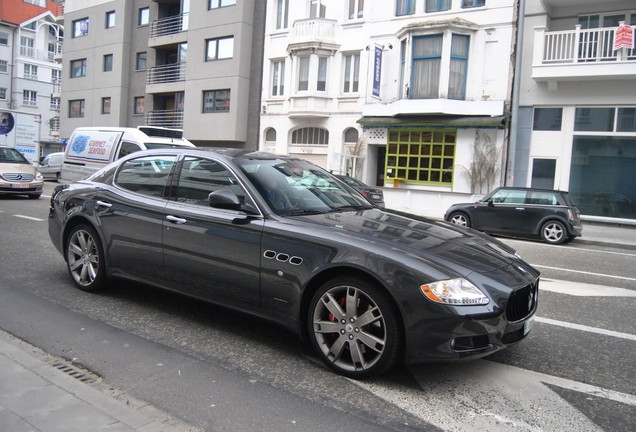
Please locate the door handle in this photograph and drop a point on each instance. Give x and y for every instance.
(176, 220)
(103, 204)
(520, 208)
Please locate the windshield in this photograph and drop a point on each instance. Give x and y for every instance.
(297, 187)
(10, 155)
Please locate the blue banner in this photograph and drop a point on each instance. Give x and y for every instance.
(377, 71)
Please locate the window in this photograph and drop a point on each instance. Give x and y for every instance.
(317, 9)
(80, 27)
(105, 105)
(458, 67)
(55, 103)
(404, 7)
(4, 38)
(127, 148)
(76, 108)
(30, 71)
(3, 93)
(321, 84)
(303, 73)
(108, 62)
(29, 98)
(626, 120)
(421, 156)
(594, 119)
(310, 136)
(78, 68)
(437, 5)
(282, 12)
(356, 9)
(147, 175)
(4, 66)
(427, 70)
(215, 4)
(199, 177)
(144, 17)
(215, 101)
(110, 19)
(278, 78)
(547, 119)
(56, 76)
(138, 107)
(351, 73)
(27, 47)
(219, 48)
(473, 3)
(140, 61)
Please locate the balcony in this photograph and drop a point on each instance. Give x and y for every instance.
(580, 54)
(170, 25)
(42, 55)
(57, 87)
(166, 73)
(165, 118)
(313, 33)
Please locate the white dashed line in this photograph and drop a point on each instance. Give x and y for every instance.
(586, 328)
(30, 218)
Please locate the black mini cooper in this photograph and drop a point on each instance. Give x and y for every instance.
(284, 239)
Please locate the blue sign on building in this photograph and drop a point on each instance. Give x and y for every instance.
(377, 71)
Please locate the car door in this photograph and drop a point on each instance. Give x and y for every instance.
(131, 214)
(539, 205)
(211, 253)
(504, 212)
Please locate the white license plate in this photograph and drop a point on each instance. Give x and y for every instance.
(528, 325)
(20, 186)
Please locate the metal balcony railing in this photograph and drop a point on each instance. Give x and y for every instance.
(165, 118)
(582, 45)
(166, 73)
(169, 25)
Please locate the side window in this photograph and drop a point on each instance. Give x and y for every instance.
(199, 177)
(145, 175)
(509, 196)
(128, 148)
(542, 198)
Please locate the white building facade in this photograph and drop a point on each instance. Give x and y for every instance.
(408, 95)
(576, 127)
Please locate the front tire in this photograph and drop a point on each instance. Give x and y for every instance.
(554, 232)
(355, 328)
(459, 218)
(85, 258)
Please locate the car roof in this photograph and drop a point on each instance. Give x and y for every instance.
(226, 153)
(529, 189)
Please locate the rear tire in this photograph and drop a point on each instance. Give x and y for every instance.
(460, 218)
(554, 232)
(355, 327)
(85, 258)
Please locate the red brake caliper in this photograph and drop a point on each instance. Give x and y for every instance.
(341, 302)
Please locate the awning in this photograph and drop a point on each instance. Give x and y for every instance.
(434, 121)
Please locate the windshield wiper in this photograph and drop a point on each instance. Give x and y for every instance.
(351, 207)
(304, 212)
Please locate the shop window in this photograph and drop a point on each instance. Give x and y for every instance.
(547, 119)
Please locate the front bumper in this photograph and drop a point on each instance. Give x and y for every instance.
(16, 188)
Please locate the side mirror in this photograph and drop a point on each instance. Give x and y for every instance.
(490, 203)
(224, 199)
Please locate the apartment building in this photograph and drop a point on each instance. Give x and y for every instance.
(173, 63)
(30, 50)
(576, 127)
(404, 94)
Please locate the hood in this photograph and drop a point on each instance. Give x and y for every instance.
(10, 167)
(438, 243)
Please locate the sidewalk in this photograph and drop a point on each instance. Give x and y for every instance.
(42, 393)
(595, 233)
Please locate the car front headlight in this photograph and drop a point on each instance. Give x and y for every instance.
(458, 292)
(38, 176)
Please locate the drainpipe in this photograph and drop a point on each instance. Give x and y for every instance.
(514, 107)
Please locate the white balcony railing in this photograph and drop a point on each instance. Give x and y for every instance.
(165, 118)
(169, 25)
(580, 46)
(55, 105)
(29, 103)
(44, 55)
(166, 73)
(313, 29)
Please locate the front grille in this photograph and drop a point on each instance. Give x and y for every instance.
(17, 177)
(522, 302)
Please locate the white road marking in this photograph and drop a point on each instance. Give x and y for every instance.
(29, 218)
(583, 272)
(586, 328)
(583, 290)
(571, 249)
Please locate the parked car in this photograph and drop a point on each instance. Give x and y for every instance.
(373, 195)
(521, 212)
(51, 166)
(258, 233)
(17, 175)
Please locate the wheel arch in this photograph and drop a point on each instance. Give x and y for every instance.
(82, 220)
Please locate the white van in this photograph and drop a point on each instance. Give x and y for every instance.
(92, 148)
(51, 166)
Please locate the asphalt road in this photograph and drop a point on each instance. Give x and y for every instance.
(220, 370)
